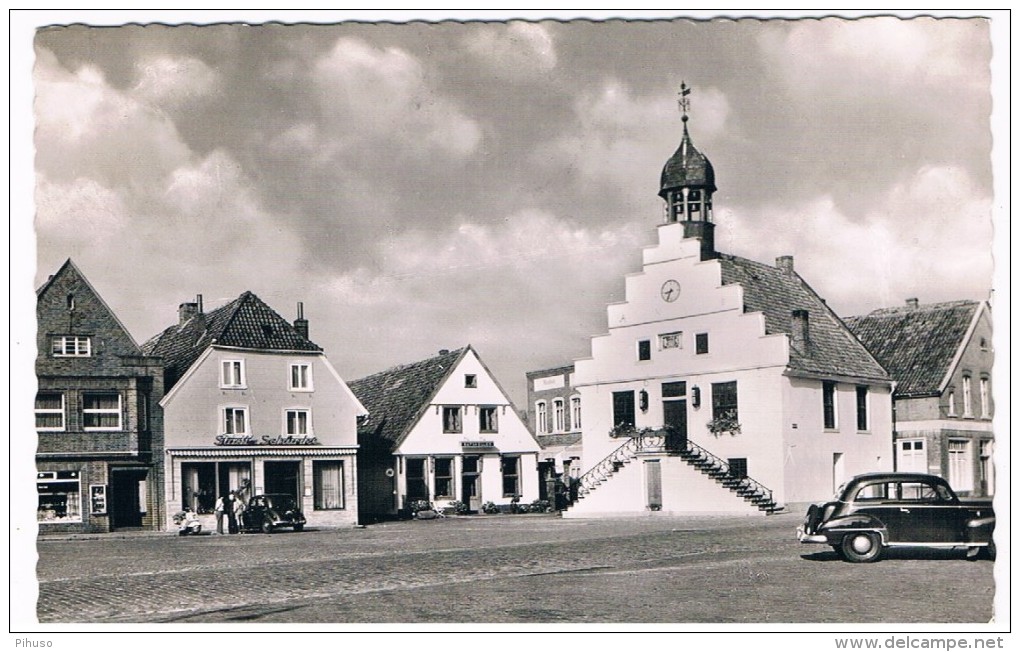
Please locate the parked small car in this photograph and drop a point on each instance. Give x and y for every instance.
(270, 511)
(876, 511)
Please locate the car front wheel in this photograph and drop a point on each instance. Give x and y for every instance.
(267, 526)
(861, 547)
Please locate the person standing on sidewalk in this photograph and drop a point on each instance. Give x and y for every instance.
(228, 507)
(238, 511)
(220, 514)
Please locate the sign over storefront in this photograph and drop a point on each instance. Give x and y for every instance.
(266, 440)
(472, 445)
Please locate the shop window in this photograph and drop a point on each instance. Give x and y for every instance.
(701, 343)
(510, 465)
(542, 417)
(417, 482)
(487, 419)
(451, 419)
(232, 374)
(235, 421)
(444, 477)
(300, 377)
(623, 409)
(49, 411)
(101, 411)
(72, 346)
(644, 348)
(470, 381)
(829, 411)
(862, 408)
(328, 483)
(298, 422)
(59, 496)
(724, 400)
(203, 482)
(575, 413)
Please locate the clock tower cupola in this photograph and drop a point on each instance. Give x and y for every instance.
(687, 184)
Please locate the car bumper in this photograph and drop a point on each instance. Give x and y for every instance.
(804, 537)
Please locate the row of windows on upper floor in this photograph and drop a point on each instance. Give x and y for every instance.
(984, 396)
(104, 412)
(232, 372)
(559, 416)
(453, 418)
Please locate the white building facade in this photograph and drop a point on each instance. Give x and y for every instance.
(723, 385)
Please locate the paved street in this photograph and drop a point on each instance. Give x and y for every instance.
(529, 569)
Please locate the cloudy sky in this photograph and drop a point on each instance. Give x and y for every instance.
(425, 186)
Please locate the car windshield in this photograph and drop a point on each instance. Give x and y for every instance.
(281, 502)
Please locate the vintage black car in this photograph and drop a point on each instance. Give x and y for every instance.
(876, 511)
(270, 511)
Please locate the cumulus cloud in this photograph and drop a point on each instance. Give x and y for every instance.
(516, 49)
(869, 55)
(173, 82)
(618, 137)
(927, 236)
(385, 93)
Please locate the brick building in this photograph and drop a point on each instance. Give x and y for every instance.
(940, 356)
(100, 433)
(554, 415)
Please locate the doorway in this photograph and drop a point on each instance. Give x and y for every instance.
(911, 456)
(471, 490)
(674, 418)
(282, 478)
(653, 485)
(128, 497)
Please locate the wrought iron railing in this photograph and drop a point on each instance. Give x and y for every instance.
(608, 466)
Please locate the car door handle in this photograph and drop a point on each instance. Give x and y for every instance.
(904, 510)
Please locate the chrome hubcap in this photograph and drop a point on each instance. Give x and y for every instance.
(861, 544)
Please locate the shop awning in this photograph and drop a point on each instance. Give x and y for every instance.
(263, 451)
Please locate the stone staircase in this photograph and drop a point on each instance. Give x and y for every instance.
(696, 456)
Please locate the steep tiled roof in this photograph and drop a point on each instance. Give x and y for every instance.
(246, 322)
(396, 397)
(916, 345)
(832, 348)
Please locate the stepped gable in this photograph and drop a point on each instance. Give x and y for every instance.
(832, 348)
(395, 398)
(246, 322)
(916, 345)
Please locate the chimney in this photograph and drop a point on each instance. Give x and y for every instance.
(705, 231)
(198, 301)
(186, 311)
(912, 303)
(785, 263)
(799, 332)
(301, 324)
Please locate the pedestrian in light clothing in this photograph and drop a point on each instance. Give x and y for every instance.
(220, 512)
(238, 511)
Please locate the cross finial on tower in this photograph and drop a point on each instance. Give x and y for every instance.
(684, 101)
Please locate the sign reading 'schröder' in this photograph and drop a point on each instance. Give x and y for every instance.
(266, 440)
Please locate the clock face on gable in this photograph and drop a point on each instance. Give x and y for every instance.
(670, 291)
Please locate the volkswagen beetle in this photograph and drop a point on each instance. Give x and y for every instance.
(270, 511)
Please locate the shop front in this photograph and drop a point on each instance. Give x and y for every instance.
(321, 479)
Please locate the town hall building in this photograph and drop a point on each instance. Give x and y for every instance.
(723, 385)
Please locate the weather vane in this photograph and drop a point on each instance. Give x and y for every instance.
(684, 101)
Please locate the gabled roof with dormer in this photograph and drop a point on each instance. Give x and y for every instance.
(833, 350)
(917, 345)
(396, 398)
(247, 322)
